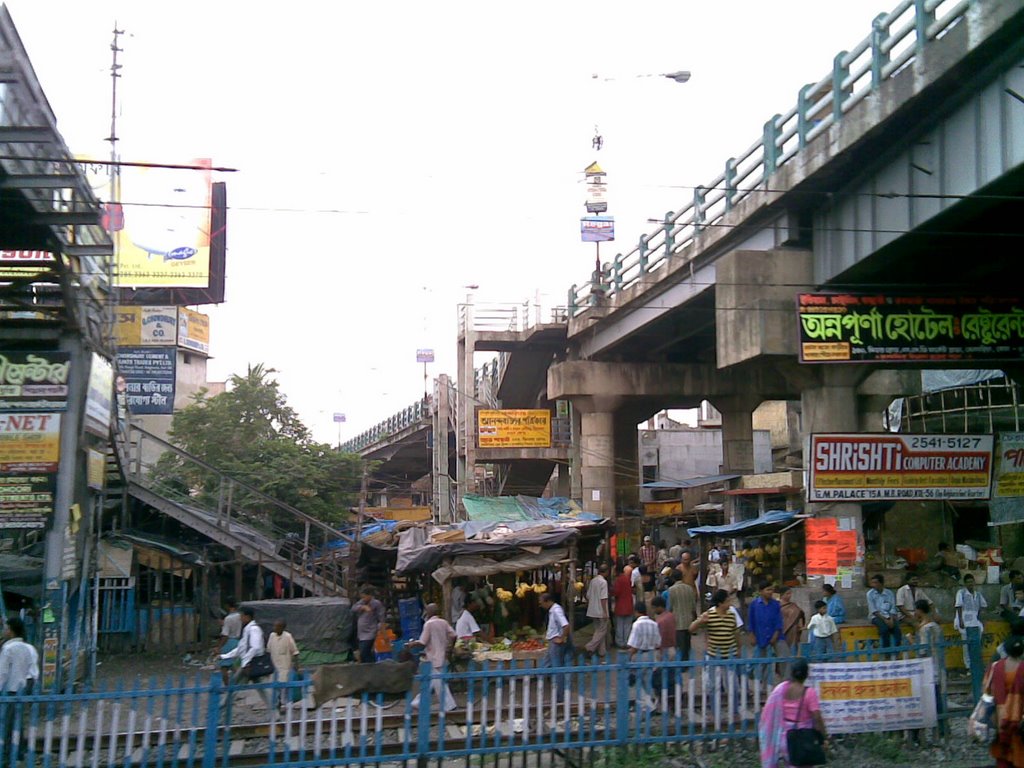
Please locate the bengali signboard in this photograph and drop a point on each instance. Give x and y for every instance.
(514, 428)
(149, 378)
(597, 229)
(99, 400)
(1007, 505)
(193, 330)
(863, 697)
(29, 456)
(34, 381)
(887, 467)
(829, 547)
(867, 328)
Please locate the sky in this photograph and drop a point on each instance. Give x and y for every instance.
(390, 154)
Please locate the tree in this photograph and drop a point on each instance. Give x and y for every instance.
(250, 433)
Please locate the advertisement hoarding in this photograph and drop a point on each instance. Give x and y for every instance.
(149, 378)
(887, 467)
(29, 457)
(1007, 505)
(146, 326)
(866, 328)
(99, 399)
(597, 229)
(34, 381)
(873, 696)
(514, 428)
(193, 330)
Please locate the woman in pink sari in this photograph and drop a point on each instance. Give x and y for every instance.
(792, 704)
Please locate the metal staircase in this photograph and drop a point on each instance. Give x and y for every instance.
(278, 537)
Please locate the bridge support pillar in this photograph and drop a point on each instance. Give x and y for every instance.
(597, 448)
(738, 432)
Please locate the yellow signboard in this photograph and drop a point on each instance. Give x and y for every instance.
(146, 326)
(193, 330)
(29, 442)
(514, 428)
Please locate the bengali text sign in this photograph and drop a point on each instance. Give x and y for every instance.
(514, 428)
(34, 381)
(862, 697)
(864, 328)
(29, 457)
(865, 467)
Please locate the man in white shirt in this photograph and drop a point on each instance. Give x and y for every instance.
(559, 644)
(906, 598)
(466, 627)
(969, 604)
(597, 609)
(644, 641)
(250, 645)
(19, 669)
(435, 639)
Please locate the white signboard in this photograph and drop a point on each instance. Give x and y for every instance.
(862, 697)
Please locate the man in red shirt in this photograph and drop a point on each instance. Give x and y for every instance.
(648, 553)
(622, 610)
(667, 626)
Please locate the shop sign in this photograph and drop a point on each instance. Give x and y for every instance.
(1007, 505)
(149, 378)
(29, 457)
(146, 326)
(96, 469)
(870, 696)
(99, 400)
(514, 428)
(829, 546)
(34, 381)
(193, 330)
(597, 229)
(866, 328)
(884, 467)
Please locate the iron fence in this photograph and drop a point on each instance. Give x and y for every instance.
(497, 711)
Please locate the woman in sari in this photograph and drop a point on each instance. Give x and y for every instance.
(792, 704)
(1005, 681)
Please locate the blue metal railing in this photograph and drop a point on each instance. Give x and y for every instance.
(896, 39)
(502, 709)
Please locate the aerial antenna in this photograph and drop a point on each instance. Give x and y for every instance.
(598, 141)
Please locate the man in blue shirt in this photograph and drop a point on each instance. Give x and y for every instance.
(764, 622)
(882, 610)
(834, 604)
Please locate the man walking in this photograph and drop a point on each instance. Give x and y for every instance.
(370, 621)
(19, 669)
(435, 639)
(559, 648)
(644, 641)
(284, 654)
(597, 610)
(883, 613)
(682, 602)
(250, 645)
(230, 632)
(622, 592)
(764, 622)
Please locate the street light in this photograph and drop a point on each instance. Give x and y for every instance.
(682, 76)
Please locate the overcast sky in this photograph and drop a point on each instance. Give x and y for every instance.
(391, 153)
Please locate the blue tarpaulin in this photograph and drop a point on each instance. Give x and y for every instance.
(768, 523)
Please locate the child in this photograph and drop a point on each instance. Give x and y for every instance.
(1017, 605)
(822, 632)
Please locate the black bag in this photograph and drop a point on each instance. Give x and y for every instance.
(806, 746)
(260, 666)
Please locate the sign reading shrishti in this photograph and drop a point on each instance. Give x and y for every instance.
(514, 428)
(865, 467)
(864, 328)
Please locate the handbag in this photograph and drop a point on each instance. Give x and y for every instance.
(981, 725)
(260, 666)
(806, 746)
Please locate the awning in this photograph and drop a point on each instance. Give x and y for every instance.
(768, 523)
(693, 482)
(782, 490)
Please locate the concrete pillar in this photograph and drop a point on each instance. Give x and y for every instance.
(627, 460)
(597, 463)
(737, 432)
(575, 454)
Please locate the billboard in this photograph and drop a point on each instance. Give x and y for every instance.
(597, 229)
(888, 467)
(146, 326)
(514, 428)
(1007, 505)
(193, 330)
(99, 400)
(34, 381)
(868, 328)
(29, 456)
(149, 378)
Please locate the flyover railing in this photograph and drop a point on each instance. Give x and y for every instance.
(895, 41)
(418, 413)
(509, 316)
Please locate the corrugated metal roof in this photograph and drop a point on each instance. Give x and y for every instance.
(692, 482)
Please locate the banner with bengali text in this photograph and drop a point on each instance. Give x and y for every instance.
(34, 381)
(865, 328)
(149, 378)
(29, 458)
(514, 428)
(862, 697)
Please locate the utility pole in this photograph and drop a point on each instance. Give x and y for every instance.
(353, 561)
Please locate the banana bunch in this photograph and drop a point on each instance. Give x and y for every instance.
(579, 586)
(504, 595)
(540, 589)
(522, 589)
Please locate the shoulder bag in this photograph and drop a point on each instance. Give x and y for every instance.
(260, 666)
(806, 746)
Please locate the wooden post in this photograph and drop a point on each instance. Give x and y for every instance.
(203, 606)
(238, 575)
(446, 593)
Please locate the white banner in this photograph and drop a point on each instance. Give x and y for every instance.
(861, 697)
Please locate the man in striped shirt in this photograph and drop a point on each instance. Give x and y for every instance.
(721, 641)
(644, 641)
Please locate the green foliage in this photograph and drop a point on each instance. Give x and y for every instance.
(251, 434)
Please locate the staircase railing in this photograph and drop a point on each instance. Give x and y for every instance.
(309, 546)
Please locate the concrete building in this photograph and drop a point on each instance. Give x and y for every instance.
(684, 453)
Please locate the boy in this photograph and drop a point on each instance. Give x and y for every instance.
(822, 632)
(929, 634)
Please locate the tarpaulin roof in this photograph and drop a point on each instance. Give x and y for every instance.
(769, 522)
(508, 509)
(692, 482)
(321, 624)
